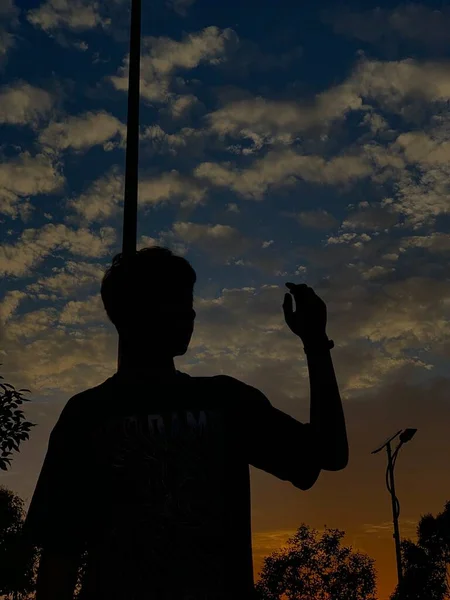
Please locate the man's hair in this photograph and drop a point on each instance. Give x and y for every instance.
(151, 273)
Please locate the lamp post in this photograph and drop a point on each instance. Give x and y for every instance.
(405, 436)
(132, 151)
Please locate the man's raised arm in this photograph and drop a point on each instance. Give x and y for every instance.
(327, 419)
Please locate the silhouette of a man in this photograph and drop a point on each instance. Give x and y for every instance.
(147, 474)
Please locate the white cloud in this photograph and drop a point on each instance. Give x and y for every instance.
(25, 176)
(423, 196)
(83, 131)
(375, 122)
(316, 219)
(162, 142)
(162, 56)
(221, 242)
(371, 217)
(392, 85)
(10, 304)
(24, 104)
(181, 105)
(170, 187)
(434, 242)
(69, 279)
(419, 147)
(78, 15)
(282, 168)
(101, 200)
(82, 312)
(35, 245)
(281, 121)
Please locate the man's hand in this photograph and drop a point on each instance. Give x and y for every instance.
(309, 320)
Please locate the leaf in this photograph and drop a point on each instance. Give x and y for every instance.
(25, 390)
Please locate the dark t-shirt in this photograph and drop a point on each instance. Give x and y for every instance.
(152, 479)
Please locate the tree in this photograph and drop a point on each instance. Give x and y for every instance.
(426, 563)
(317, 569)
(18, 561)
(13, 428)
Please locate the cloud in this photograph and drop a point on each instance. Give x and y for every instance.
(396, 86)
(163, 56)
(280, 121)
(411, 22)
(82, 312)
(415, 171)
(24, 104)
(419, 147)
(315, 219)
(222, 242)
(25, 176)
(264, 349)
(8, 21)
(422, 196)
(282, 168)
(391, 83)
(185, 140)
(68, 280)
(180, 106)
(434, 242)
(101, 200)
(35, 245)
(81, 132)
(77, 15)
(10, 304)
(371, 217)
(171, 186)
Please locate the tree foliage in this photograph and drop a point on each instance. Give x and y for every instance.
(313, 568)
(426, 562)
(18, 560)
(13, 427)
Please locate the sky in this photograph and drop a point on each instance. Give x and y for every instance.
(278, 142)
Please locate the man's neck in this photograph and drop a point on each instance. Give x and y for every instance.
(147, 366)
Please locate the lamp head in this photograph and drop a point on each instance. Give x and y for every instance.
(407, 435)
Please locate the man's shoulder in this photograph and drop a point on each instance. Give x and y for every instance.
(85, 400)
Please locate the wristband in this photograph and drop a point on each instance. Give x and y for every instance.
(328, 344)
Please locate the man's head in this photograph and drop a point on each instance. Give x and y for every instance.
(149, 299)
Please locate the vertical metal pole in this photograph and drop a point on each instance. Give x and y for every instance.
(132, 151)
(395, 516)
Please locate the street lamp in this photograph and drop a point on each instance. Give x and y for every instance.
(405, 436)
(132, 152)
